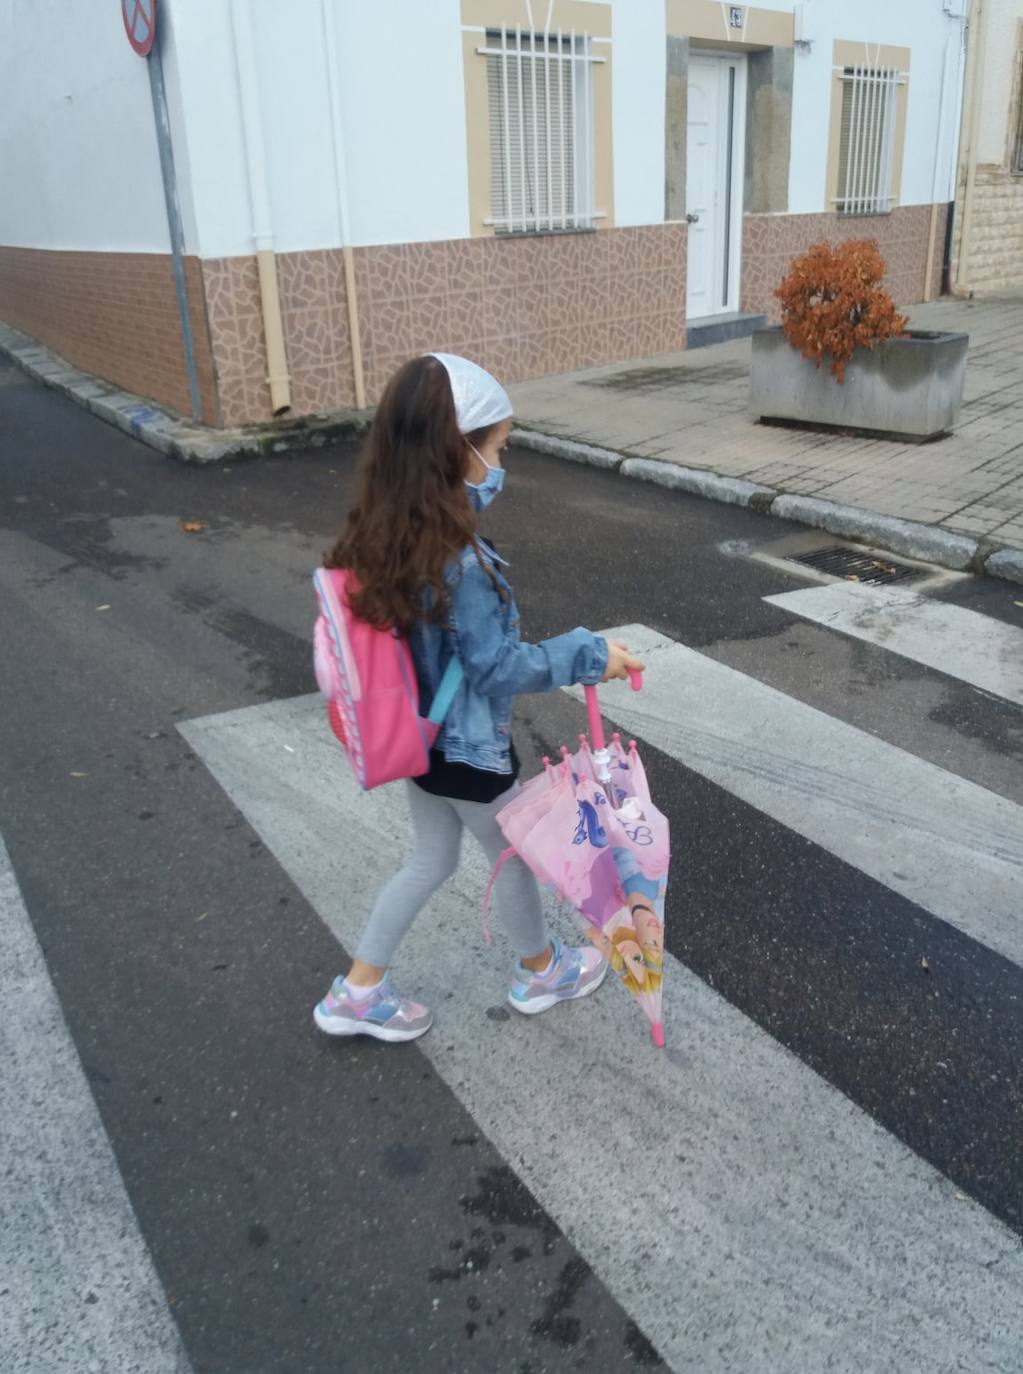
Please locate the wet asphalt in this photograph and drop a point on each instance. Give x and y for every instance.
(288, 1233)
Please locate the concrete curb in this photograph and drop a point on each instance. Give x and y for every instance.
(733, 491)
(929, 543)
(176, 437)
(571, 449)
(161, 429)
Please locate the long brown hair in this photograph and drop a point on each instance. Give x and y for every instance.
(411, 512)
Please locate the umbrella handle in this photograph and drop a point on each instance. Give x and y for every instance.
(596, 724)
(593, 709)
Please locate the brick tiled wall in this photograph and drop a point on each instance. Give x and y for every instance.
(769, 243)
(314, 309)
(112, 314)
(520, 307)
(996, 250)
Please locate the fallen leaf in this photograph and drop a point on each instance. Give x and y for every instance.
(78, 775)
(925, 965)
(202, 917)
(192, 526)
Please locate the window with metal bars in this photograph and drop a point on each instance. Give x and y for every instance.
(866, 150)
(541, 131)
(1017, 151)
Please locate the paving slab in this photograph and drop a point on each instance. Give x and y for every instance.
(689, 410)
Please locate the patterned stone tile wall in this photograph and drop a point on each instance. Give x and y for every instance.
(769, 242)
(112, 314)
(524, 307)
(314, 310)
(521, 307)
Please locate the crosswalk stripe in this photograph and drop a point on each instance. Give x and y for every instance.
(78, 1290)
(935, 838)
(744, 1212)
(956, 641)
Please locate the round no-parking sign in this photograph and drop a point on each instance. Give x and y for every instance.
(139, 24)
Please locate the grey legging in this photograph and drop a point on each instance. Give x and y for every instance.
(437, 825)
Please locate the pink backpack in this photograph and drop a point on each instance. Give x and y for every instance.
(369, 680)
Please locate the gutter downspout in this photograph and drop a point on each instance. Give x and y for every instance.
(328, 12)
(933, 230)
(975, 56)
(259, 196)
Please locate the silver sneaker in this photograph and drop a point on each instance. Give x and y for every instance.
(573, 972)
(383, 1015)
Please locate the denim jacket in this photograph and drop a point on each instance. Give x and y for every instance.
(483, 630)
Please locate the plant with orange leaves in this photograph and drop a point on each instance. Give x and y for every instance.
(833, 302)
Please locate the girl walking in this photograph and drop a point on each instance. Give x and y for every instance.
(433, 461)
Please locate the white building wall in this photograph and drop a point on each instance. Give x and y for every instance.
(79, 166)
(402, 97)
(638, 95)
(923, 27)
(78, 151)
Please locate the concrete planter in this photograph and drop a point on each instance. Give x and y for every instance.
(908, 388)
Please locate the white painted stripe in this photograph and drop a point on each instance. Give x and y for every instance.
(960, 643)
(745, 1213)
(943, 842)
(78, 1291)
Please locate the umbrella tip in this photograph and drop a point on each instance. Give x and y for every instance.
(657, 1034)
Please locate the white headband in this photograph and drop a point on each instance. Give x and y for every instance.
(480, 400)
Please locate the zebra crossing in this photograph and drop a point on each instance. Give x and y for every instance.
(956, 641)
(69, 1241)
(743, 1211)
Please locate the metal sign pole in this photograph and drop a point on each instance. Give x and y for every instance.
(177, 235)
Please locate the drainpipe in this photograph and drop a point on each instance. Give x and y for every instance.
(974, 68)
(259, 196)
(933, 230)
(328, 15)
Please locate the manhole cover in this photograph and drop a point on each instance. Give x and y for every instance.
(856, 566)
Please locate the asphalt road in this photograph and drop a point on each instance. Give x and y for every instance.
(312, 1204)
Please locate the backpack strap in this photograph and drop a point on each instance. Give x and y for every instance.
(449, 685)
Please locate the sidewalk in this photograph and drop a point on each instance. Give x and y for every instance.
(688, 410)
(680, 419)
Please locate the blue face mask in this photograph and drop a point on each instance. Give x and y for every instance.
(482, 493)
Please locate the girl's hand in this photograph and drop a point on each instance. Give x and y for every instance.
(620, 662)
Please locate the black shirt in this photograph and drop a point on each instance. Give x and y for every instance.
(462, 782)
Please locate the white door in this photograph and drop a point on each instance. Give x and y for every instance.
(714, 143)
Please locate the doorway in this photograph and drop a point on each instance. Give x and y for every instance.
(715, 146)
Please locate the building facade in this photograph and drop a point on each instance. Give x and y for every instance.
(988, 241)
(542, 185)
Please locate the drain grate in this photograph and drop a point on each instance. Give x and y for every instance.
(856, 566)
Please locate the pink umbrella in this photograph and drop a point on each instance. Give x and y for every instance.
(589, 831)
